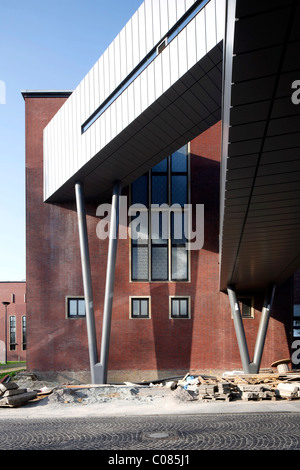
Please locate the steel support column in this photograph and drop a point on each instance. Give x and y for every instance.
(263, 327)
(110, 280)
(254, 366)
(239, 329)
(87, 281)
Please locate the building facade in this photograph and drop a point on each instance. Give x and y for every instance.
(13, 322)
(169, 316)
(187, 116)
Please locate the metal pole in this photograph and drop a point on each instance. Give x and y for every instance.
(110, 279)
(263, 326)
(239, 329)
(87, 280)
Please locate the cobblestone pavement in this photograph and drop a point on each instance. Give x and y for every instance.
(240, 431)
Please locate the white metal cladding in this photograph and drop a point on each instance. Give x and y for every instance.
(66, 149)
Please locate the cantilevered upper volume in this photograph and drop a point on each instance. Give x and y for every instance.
(260, 177)
(157, 86)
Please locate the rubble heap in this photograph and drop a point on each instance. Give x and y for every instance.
(238, 386)
(11, 395)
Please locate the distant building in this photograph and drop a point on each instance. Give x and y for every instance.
(16, 328)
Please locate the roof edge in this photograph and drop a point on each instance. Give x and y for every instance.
(46, 93)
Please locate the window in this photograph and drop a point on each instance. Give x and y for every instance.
(139, 307)
(24, 340)
(12, 333)
(160, 256)
(180, 307)
(246, 307)
(75, 307)
(296, 321)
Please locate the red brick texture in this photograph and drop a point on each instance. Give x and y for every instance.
(206, 341)
(13, 292)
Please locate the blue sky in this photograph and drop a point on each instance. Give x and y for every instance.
(44, 45)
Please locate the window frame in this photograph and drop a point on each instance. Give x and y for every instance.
(240, 300)
(12, 345)
(170, 243)
(252, 309)
(67, 309)
(139, 297)
(180, 297)
(24, 332)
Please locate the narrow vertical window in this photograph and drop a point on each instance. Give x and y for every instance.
(12, 333)
(24, 333)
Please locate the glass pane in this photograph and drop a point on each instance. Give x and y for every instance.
(245, 305)
(159, 189)
(296, 310)
(81, 307)
(139, 263)
(183, 308)
(161, 166)
(139, 191)
(179, 263)
(144, 307)
(159, 227)
(159, 263)
(139, 228)
(135, 307)
(177, 227)
(179, 189)
(179, 160)
(175, 308)
(72, 307)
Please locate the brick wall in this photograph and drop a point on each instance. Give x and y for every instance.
(207, 341)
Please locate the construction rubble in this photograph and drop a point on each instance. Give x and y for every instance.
(199, 387)
(239, 386)
(11, 395)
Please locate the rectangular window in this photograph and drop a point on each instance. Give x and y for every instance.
(12, 333)
(163, 255)
(296, 321)
(24, 339)
(180, 307)
(246, 307)
(75, 307)
(139, 307)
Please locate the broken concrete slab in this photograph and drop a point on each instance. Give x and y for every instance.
(7, 386)
(17, 400)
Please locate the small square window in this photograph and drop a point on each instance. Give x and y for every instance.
(139, 307)
(179, 307)
(75, 307)
(246, 307)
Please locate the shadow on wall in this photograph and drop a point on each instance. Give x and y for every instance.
(173, 338)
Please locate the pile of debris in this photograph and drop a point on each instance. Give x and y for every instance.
(11, 395)
(238, 386)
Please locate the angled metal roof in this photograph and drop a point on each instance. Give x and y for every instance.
(260, 210)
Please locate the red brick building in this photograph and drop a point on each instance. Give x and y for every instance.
(15, 339)
(159, 342)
